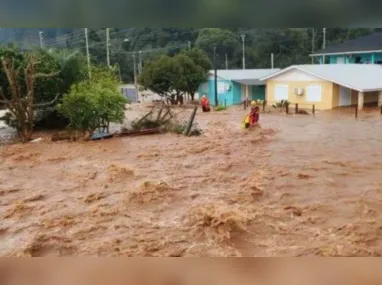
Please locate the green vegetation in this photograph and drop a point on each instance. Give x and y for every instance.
(289, 45)
(94, 104)
(172, 77)
(220, 108)
(281, 105)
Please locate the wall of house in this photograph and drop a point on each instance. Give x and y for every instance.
(210, 93)
(335, 95)
(370, 98)
(258, 92)
(299, 79)
(354, 97)
(326, 87)
(236, 93)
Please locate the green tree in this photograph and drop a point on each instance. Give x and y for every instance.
(200, 58)
(94, 104)
(226, 42)
(19, 95)
(165, 77)
(193, 73)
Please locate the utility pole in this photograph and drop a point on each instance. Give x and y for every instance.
(313, 43)
(243, 40)
(87, 51)
(140, 62)
(216, 79)
(108, 46)
(226, 61)
(41, 39)
(135, 76)
(324, 43)
(272, 61)
(189, 45)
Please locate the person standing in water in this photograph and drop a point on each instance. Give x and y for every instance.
(205, 104)
(254, 116)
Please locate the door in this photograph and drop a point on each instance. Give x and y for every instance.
(345, 96)
(281, 92)
(340, 59)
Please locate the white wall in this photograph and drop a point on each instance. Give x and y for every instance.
(296, 75)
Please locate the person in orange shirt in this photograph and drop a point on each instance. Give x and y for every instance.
(205, 103)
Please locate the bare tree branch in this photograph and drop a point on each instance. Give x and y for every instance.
(47, 103)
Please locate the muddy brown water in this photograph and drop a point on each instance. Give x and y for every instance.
(299, 186)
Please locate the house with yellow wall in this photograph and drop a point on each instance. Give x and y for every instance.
(326, 86)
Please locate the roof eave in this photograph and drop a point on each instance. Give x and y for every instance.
(346, 52)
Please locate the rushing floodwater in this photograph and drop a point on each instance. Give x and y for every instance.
(313, 186)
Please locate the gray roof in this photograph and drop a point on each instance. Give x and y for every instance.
(360, 77)
(362, 44)
(244, 76)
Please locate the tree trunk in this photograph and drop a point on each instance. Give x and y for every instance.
(22, 106)
(192, 95)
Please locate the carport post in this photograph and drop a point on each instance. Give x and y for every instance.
(360, 100)
(356, 111)
(380, 98)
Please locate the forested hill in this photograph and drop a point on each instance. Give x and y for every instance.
(289, 45)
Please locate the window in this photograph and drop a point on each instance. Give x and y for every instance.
(281, 92)
(314, 93)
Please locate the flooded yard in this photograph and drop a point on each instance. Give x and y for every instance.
(299, 186)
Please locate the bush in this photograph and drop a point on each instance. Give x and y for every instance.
(281, 104)
(94, 104)
(220, 108)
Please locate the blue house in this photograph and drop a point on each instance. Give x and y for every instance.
(235, 85)
(362, 50)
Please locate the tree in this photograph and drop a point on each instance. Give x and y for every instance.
(226, 41)
(200, 58)
(94, 104)
(19, 96)
(165, 77)
(193, 74)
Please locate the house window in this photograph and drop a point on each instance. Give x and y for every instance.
(281, 92)
(314, 93)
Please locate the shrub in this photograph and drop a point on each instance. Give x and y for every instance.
(220, 108)
(94, 104)
(281, 104)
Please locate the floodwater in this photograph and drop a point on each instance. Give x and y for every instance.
(298, 186)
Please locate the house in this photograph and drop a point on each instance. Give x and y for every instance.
(129, 91)
(362, 50)
(235, 85)
(326, 85)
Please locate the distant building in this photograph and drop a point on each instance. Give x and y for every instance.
(235, 85)
(326, 85)
(129, 91)
(362, 50)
